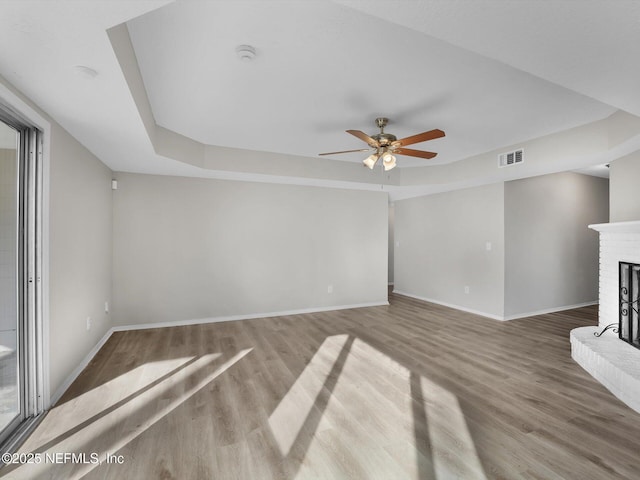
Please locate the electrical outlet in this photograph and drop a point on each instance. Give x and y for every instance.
(466, 289)
(330, 289)
(488, 246)
(106, 307)
(88, 323)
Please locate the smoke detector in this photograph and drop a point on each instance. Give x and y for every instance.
(246, 53)
(85, 72)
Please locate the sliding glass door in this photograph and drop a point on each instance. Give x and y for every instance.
(10, 385)
(21, 336)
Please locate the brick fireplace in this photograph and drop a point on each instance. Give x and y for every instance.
(612, 361)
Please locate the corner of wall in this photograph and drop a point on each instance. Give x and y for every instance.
(624, 176)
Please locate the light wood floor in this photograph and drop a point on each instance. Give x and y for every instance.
(413, 390)
(9, 397)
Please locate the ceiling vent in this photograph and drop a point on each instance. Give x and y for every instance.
(511, 158)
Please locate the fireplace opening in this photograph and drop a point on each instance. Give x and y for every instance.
(629, 327)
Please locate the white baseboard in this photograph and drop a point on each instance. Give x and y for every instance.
(250, 316)
(450, 305)
(85, 361)
(501, 318)
(78, 370)
(550, 310)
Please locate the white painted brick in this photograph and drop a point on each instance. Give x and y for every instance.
(614, 247)
(608, 359)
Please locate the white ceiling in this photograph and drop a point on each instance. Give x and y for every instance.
(322, 68)
(489, 73)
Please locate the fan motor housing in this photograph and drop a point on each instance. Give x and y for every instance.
(384, 139)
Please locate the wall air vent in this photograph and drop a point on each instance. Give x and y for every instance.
(511, 158)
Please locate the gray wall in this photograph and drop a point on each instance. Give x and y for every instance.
(443, 248)
(624, 181)
(551, 257)
(188, 249)
(80, 253)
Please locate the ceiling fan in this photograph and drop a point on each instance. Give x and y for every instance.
(385, 145)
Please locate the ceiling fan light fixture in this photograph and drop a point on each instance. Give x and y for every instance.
(371, 160)
(386, 144)
(389, 161)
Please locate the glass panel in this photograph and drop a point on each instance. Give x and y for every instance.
(633, 312)
(624, 299)
(9, 364)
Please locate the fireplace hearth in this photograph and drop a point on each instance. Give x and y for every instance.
(629, 327)
(615, 363)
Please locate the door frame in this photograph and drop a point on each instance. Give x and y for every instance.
(33, 269)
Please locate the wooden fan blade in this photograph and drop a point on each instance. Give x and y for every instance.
(364, 137)
(414, 153)
(420, 137)
(347, 151)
